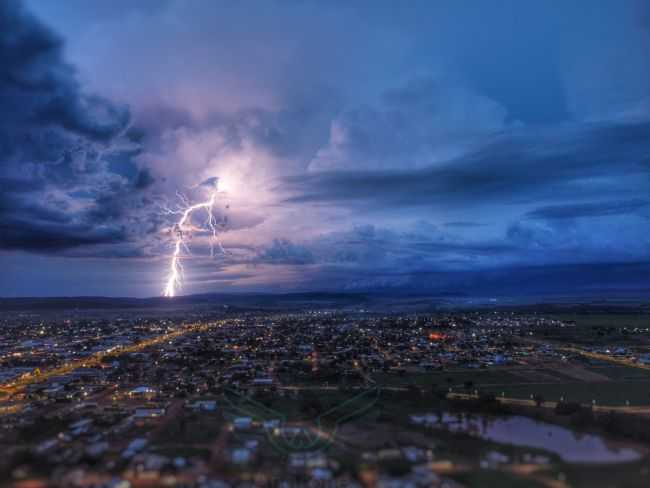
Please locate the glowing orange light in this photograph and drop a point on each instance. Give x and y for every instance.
(437, 336)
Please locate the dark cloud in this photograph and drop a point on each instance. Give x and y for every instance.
(29, 224)
(67, 159)
(596, 209)
(545, 165)
(369, 248)
(551, 281)
(47, 236)
(143, 180)
(465, 248)
(38, 89)
(19, 185)
(283, 251)
(462, 224)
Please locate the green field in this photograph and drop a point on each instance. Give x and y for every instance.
(619, 372)
(605, 320)
(614, 393)
(627, 384)
(628, 475)
(596, 329)
(445, 379)
(487, 478)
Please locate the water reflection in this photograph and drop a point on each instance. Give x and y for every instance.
(572, 447)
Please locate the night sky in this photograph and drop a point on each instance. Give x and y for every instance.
(483, 147)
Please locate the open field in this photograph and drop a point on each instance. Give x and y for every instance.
(448, 378)
(616, 372)
(607, 384)
(629, 320)
(612, 393)
(593, 329)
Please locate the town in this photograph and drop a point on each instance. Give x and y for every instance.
(316, 398)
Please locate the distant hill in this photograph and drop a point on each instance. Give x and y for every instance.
(236, 300)
(604, 284)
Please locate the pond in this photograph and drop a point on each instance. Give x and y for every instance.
(570, 446)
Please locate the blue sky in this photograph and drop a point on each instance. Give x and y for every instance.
(365, 145)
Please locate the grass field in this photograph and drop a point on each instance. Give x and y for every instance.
(614, 393)
(628, 475)
(488, 478)
(605, 320)
(626, 384)
(602, 329)
(616, 372)
(445, 379)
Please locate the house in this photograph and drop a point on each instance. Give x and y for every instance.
(271, 424)
(148, 413)
(203, 405)
(242, 423)
(80, 427)
(97, 449)
(241, 456)
(135, 446)
(142, 392)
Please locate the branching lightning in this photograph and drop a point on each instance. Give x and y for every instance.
(183, 228)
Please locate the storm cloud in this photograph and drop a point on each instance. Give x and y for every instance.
(358, 144)
(56, 141)
(524, 166)
(598, 209)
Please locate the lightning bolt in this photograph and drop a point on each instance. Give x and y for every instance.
(181, 229)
